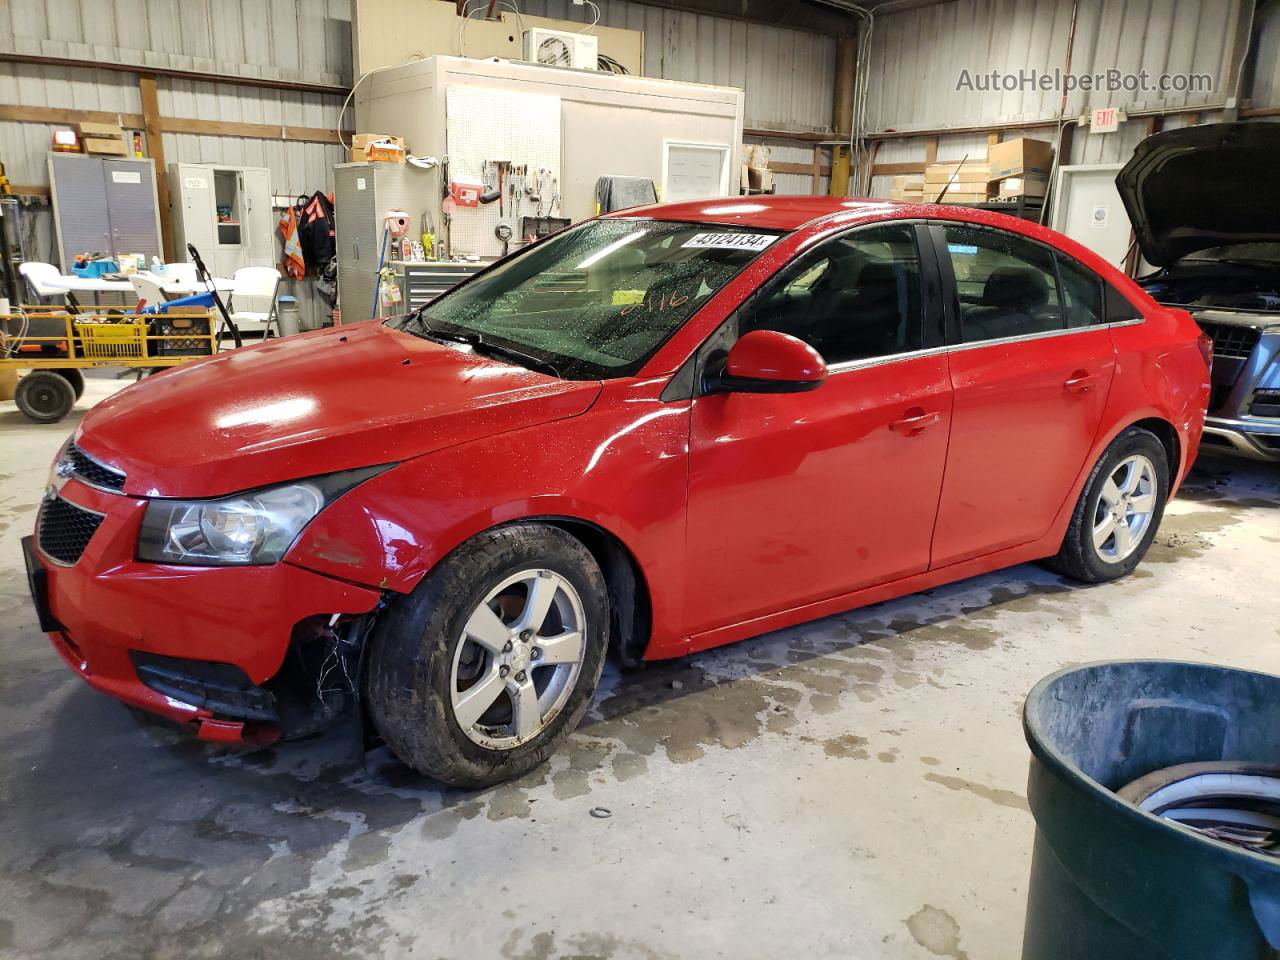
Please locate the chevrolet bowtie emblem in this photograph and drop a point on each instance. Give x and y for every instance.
(63, 471)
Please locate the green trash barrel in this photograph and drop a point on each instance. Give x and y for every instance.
(1111, 882)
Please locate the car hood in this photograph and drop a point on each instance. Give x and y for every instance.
(1203, 186)
(316, 403)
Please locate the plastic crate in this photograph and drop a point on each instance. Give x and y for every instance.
(193, 331)
(123, 340)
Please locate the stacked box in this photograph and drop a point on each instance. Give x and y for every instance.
(1020, 158)
(1011, 188)
(377, 147)
(909, 189)
(1021, 167)
(965, 183)
(103, 139)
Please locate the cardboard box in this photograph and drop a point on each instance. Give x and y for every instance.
(1020, 157)
(963, 196)
(760, 180)
(105, 146)
(1023, 187)
(941, 173)
(99, 130)
(377, 148)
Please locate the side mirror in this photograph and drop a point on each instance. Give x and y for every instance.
(766, 361)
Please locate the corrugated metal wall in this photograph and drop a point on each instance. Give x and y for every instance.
(787, 74)
(1266, 78)
(918, 56)
(305, 40)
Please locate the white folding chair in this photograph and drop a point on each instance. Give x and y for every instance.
(147, 289)
(255, 284)
(184, 273)
(43, 279)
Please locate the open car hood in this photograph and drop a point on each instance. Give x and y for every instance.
(1202, 187)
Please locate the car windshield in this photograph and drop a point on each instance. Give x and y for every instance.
(593, 302)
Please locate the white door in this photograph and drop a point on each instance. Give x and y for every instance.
(195, 186)
(1088, 209)
(259, 218)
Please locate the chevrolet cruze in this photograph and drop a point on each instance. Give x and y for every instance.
(656, 432)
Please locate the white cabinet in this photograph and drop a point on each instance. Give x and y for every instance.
(225, 213)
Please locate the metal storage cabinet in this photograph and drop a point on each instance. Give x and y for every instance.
(103, 204)
(363, 194)
(246, 238)
(420, 283)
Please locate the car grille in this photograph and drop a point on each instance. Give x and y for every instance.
(64, 530)
(92, 472)
(1231, 341)
(1266, 403)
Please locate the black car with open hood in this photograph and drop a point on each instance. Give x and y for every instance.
(1202, 187)
(1205, 206)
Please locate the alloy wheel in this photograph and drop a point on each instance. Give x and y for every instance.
(518, 660)
(1125, 508)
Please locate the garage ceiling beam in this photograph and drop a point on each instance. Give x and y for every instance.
(61, 116)
(201, 76)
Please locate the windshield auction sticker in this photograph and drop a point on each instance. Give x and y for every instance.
(731, 241)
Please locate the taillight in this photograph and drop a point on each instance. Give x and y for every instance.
(1205, 343)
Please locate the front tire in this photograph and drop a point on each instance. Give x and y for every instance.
(1119, 510)
(481, 673)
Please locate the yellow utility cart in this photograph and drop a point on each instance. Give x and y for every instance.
(54, 346)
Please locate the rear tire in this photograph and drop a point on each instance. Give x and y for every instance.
(466, 681)
(1119, 510)
(44, 396)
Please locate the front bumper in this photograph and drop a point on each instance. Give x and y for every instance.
(106, 608)
(1258, 441)
(1246, 360)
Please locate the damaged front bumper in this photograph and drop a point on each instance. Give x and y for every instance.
(227, 650)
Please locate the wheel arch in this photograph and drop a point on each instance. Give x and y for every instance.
(1167, 434)
(630, 604)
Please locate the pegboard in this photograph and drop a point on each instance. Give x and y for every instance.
(488, 124)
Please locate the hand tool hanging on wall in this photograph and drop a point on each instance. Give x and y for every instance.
(447, 206)
(504, 233)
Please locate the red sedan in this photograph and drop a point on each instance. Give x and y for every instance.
(659, 431)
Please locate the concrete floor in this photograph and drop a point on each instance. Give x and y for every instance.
(850, 788)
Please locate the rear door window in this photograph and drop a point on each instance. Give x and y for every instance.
(1081, 294)
(1007, 286)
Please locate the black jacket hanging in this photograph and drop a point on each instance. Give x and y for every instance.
(315, 230)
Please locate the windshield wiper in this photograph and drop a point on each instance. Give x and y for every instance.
(518, 357)
(479, 344)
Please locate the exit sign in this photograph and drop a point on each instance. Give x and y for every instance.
(1105, 120)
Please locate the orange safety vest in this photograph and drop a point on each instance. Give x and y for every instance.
(294, 264)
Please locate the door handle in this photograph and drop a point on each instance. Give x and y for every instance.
(1082, 381)
(915, 422)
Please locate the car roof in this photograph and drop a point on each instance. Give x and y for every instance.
(765, 212)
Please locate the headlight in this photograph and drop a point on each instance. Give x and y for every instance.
(249, 528)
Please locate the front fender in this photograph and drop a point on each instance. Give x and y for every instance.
(622, 466)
